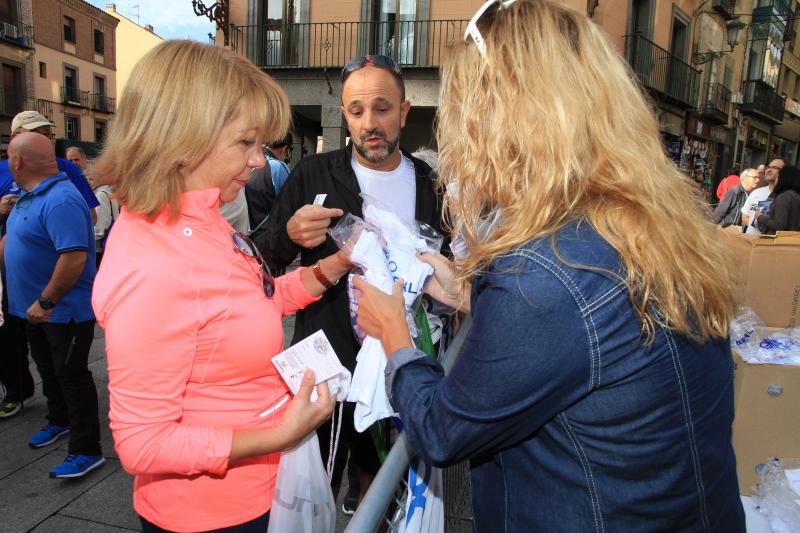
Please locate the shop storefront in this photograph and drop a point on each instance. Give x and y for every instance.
(701, 154)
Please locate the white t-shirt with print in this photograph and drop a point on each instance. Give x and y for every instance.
(396, 190)
(750, 206)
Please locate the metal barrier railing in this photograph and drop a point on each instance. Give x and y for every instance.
(391, 477)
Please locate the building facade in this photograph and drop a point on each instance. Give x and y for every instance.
(16, 61)
(75, 68)
(133, 41)
(722, 75)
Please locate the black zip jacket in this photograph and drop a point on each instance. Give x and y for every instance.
(332, 174)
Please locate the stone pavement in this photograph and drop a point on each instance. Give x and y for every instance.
(100, 502)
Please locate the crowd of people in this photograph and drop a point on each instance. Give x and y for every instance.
(763, 200)
(594, 391)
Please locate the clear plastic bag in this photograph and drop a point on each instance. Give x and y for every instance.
(757, 344)
(303, 500)
(385, 248)
(746, 330)
(777, 495)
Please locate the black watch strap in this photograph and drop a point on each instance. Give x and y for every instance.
(46, 303)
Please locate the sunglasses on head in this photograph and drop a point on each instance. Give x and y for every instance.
(482, 20)
(243, 244)
(375, 60)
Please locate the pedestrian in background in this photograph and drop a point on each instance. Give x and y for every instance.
(784, 211)
(267, 181)
(729, 182)
(108, 207)
(761, 198)
(729, 210)
(594, 391)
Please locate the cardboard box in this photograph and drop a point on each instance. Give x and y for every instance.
(767, 417)
(768, 274)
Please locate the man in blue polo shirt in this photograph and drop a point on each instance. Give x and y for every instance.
(37, 123)
(49, 238)
(14, 370)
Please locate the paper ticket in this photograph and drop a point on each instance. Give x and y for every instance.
(314, 352)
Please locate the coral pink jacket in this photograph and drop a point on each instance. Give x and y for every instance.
(189, 337)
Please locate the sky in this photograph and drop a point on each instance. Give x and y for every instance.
(171, 19)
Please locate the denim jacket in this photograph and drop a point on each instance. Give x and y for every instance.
(570, 420)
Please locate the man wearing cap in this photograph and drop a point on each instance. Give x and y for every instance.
(375, 109)
(36, 122)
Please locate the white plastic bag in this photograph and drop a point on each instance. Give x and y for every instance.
(303, 500)
(424, 510)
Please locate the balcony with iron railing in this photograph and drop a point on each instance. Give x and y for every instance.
(725, 8)
(716, 103)
(411, 43)
(14, 31)
(661, 72)
(759, 99)
(43, 107)
(103, 103)
(74, 97)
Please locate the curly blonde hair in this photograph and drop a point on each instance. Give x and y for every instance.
(550, 127)
(178, 98)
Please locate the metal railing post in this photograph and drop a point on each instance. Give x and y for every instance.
(372, 508)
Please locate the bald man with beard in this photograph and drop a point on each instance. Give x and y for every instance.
(50, 236)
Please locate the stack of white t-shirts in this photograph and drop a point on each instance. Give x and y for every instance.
(382, 267)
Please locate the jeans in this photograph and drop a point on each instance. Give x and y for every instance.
(258, 525)
(61, 352)
(14, 371)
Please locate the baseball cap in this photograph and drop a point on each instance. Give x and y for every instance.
(30, 120)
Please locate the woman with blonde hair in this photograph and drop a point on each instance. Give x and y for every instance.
(191, 313)
(595, 390)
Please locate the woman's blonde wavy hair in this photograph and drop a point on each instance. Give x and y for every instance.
(175, 103)
(550, 128)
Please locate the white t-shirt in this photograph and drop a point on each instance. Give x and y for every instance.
(396, 190)
(751, 205)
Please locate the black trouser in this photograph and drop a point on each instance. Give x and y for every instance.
(61, 352)
(257, 525)
(14, 371)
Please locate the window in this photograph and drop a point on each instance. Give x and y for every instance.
(71, 92)
(73, 126)
(100, 101)
(99, 85)
(679, 41)
(100, 128)
(42, 69)
(11, 103)
(394, 33)
(641, 17)
(8, 10)
(69, 30)
(98, 42)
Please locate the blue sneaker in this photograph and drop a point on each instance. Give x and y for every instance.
(48, 435)
(77, 465)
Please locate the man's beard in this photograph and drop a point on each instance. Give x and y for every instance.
(383, 154)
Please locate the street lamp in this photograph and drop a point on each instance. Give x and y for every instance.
(734, 30)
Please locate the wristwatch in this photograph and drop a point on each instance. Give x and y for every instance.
(317, 271)
(46, 303)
